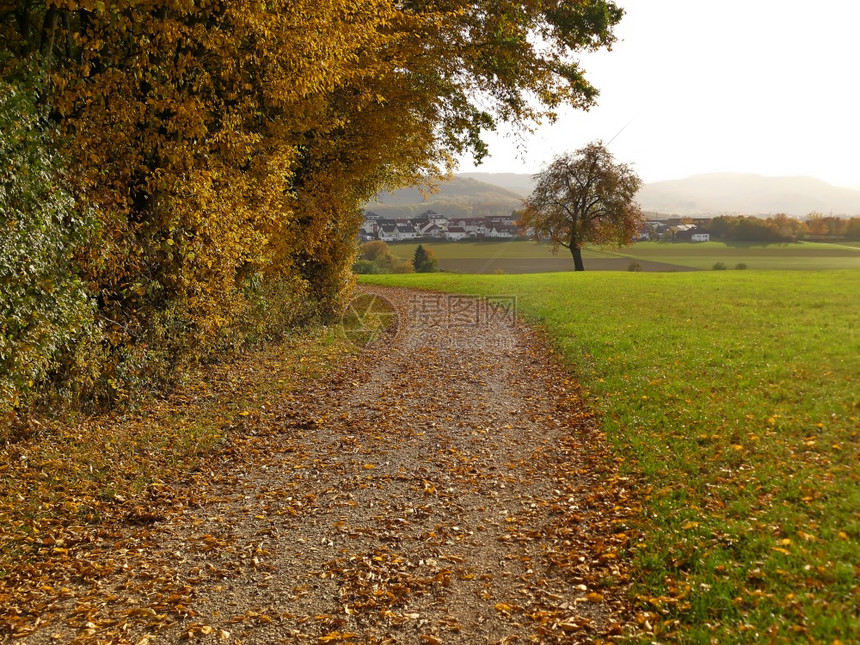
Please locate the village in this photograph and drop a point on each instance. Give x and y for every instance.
(435, 226)
(432, 225)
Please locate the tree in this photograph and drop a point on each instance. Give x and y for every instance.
(584, 198)
(373, 250)
(45, 310)
(376, 257)
(224, 148)
(424, 261)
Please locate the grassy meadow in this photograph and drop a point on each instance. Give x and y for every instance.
(788, 256)
(733, 398)
(520, 256)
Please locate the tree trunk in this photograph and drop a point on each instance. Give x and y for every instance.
(49, 32)
(577, 258)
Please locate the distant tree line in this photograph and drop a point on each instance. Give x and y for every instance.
(782, 228)
(180, 177)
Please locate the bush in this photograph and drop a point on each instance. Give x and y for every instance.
(45, 311)
(373, 250)
(398, 265)
(376, 257)
(634, 266)
(719, 266)
(740, 266)
(365, 267)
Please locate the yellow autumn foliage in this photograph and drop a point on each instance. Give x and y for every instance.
(226, 147)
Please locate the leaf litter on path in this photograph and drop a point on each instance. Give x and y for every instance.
(444, 485)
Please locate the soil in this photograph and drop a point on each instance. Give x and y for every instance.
(446, 484)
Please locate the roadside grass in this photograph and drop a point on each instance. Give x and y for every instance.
(58, 477)
(794, 256)
(733, 399)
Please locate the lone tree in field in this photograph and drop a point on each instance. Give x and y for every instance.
(584, 198)
(424, 261)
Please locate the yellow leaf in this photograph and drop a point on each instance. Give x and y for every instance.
(502, 607)
(594, 597)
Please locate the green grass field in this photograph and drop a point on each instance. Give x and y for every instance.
(796, 256)
(486, 249)
(733, 398)
(528, 257)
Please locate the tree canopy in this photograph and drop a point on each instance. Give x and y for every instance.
(584, 198)
(223, 148)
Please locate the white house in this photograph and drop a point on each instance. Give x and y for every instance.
(406, 232)
(500, 230)
(430, 230)
(700, 237)
(434, 218)
(387, 232)
(455, 233)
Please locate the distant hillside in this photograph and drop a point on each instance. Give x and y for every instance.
(460, 197)
(749, 195)
(715, 194)
(521, 184)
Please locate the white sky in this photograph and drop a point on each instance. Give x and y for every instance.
(763, 86)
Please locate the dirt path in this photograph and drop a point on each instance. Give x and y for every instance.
(444, 486)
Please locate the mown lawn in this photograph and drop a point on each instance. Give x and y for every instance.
(733, 399)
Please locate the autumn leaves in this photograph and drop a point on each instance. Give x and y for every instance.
(223, 149)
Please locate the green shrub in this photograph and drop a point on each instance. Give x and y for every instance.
(45, 311)
(719, 266)
(740, 266)
(366, 267)
(634, 266)
(375, 257)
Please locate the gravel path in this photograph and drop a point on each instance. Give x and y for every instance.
(445, 485)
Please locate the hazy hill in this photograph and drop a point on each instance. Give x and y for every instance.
(749, 195)
(459, 197)
(519, 183)
(714, 194)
